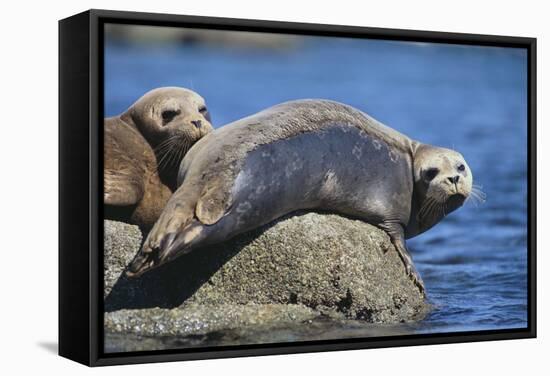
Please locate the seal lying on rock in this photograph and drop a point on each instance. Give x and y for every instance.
(307, 154)
(142, 151)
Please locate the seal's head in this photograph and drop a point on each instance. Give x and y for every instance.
(171, 119)
(443, 182)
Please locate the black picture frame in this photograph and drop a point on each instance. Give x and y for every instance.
(80, 186)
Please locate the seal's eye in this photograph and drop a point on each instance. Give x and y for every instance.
(169, 115)
(431, 173)
(204, 112)
(461, 167)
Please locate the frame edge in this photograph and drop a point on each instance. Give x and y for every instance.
(94, 356)
(74, 219)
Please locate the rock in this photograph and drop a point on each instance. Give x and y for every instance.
(231, 325)
(325, 262)
(196, 319)
(121, 243)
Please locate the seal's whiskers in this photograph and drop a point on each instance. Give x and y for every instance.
(477, 196)
(167, 151)
(174, 149)
(429, 209)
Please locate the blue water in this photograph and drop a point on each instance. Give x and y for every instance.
(472, 99)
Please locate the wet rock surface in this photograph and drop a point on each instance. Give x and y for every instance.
(202, 319)
(297, 269)
(277, 326)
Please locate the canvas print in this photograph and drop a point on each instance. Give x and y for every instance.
(263, 188)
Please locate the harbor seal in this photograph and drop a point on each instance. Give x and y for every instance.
(142, 151)
(306, 154)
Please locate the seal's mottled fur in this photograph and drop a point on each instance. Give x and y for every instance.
(308, 154)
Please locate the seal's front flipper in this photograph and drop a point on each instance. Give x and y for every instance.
(214, 202)
(122, 187)
(409, 265)
(397, 236)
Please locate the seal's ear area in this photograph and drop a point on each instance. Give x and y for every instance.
(212, 204)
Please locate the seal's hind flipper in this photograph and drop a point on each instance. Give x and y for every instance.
(169, 247)
(213, 204)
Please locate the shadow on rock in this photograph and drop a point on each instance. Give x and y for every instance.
(171, 284)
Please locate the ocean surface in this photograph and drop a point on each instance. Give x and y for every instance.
(472, 99)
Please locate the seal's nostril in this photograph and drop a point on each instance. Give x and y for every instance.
(454, 179)
(196, 123)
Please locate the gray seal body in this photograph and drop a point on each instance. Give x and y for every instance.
(345, 171)
(307, 154)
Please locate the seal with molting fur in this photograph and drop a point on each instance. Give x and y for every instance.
(300, 155)
(143, 148)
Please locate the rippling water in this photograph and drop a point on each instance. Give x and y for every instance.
(472, 99)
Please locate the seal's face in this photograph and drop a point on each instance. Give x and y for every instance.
(443, 181)
(171, 119)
